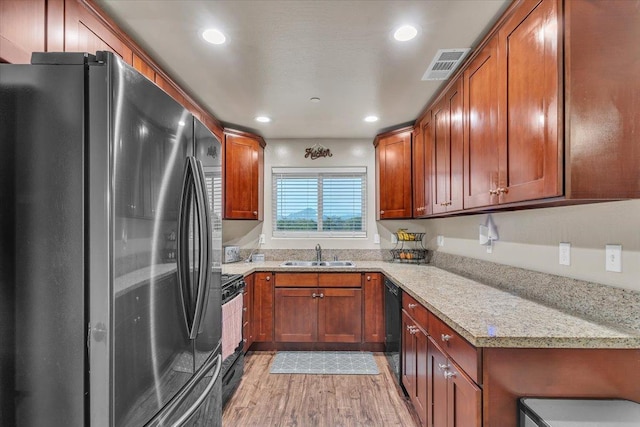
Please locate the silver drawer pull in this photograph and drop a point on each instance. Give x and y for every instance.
(445, 337)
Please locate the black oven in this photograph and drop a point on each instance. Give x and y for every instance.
(232, 340)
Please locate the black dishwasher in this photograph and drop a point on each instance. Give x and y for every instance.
(393, 325)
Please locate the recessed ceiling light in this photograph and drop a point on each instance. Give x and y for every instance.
(263, 119)
(315, 99)
(213, 36)
(405, 33)
(371, 119)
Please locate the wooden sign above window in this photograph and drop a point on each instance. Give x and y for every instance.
(317, 151)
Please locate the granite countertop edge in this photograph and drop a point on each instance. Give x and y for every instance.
(485, 316)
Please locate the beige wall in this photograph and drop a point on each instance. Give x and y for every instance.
(528, 238)
(290, 153)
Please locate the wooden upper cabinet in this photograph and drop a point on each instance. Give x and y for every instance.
(243, 175)
(530, 166)
(22, 30)
(393, 174)
(512, 145)
(602, 64)
(86, 31)
(421, 173)
(481, 144)
(447, 151)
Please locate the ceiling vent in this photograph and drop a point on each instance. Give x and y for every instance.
(445, 63)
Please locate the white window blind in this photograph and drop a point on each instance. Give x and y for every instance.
(322, 202)
(213, 179)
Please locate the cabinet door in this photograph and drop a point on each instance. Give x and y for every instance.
(437, 366)
(85, 32)
(340, 315)
(22, 30)
(464, 400)
(419, 172)
(374, 327)
(296, 314)
(448, 151)
(247, 315)
(529, 57)
(243, 178)
(263, 307)
(393, 155)
(408, 355)
(481, 133)
(421, 394)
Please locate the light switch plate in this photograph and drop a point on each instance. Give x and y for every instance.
(261, 240)
(376, 239)
(440, 240)
(564, 257)
(613, 255)
(394, 238)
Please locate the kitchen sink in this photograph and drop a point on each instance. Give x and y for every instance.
(318, 264)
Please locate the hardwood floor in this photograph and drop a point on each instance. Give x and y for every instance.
(263, 399)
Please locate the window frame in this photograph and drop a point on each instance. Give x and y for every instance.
(319, 173)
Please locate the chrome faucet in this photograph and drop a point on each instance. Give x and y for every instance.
(318, 253)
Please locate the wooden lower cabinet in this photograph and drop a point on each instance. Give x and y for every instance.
(414, 365)
(296, 315)
(263, 307)
(340, 315)
(318, 315)
(247, 315)
(373, 309)
(454, 399)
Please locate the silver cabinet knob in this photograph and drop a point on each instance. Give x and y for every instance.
(368, 278)
(445, 337)
(255, 213)
(381, 212)
(268, 278)
(444, 367)
(412, 306)
(449, 374)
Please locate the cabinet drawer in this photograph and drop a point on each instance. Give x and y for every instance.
(415, 310)
(460, 350)
(340, 280)
(297, 280)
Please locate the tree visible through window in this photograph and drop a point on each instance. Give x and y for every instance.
(329, 202)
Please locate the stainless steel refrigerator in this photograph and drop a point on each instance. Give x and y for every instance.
(110, 249)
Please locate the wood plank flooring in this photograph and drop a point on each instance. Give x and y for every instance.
(264, 400)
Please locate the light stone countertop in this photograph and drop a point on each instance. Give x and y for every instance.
(484, 315)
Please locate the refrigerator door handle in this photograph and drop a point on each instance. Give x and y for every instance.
(162, 417)
(201, 399)
(204, 221)
(183, 261)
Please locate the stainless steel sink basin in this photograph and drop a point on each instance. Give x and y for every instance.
(318, 264)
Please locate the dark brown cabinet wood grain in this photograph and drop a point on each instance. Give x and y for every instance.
(247, 312)
(422, 168)
(306, 312)
(22, 30)
(263, 307)
(455, 400)
(373, 310)
(414, 365)
(447, 151)
(243, 175)
(481, 143)
(393, 174)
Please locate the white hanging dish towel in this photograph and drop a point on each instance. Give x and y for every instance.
(231, 326)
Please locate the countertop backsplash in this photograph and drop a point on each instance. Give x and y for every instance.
(602, 303)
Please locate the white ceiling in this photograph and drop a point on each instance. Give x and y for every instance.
(279, 54)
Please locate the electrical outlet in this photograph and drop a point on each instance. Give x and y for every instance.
(440, 240)
(376, 239)
(261, 241)
(564, 257)
(394, 239)
(613, 254)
